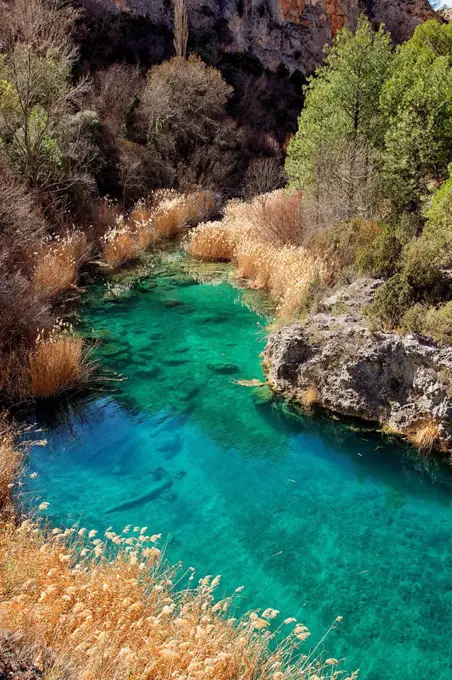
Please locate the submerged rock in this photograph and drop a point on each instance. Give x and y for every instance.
(113, 349)
(183, 281)
(170, 303)
(403, 382)
(262, 395)
(213, 319)
(148, 373)
(175, 362)
(145, 284)
(170, 445)
(187, 394)
(223, 368)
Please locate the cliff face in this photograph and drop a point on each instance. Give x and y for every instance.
(289, 32)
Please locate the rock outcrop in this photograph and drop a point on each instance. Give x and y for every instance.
(288, 32)
(402, 382)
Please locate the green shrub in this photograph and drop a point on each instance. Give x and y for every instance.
(393, 300)
(433, 321)
(414, 319)
(420, 265)
(438, 229)
(438, 323)
(381, 257)
(342, 243)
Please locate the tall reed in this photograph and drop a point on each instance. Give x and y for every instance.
(259, 254)
(120, 244)
(424, 435)
(11, 459)
(57, 264)
(175, 212)
(59, 362)
(109, 607)
(212, 241)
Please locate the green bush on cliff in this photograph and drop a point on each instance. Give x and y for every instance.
(416, 105)
(438, 229)
(435, 322)
(393, 300)
(340, 124)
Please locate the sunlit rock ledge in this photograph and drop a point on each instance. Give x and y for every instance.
(337, 361)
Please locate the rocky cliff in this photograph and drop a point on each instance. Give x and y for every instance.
(288, 32)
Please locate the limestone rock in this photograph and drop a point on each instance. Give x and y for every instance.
(288, 32)
(400, 381)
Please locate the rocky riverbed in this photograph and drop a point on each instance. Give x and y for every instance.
(338, 361)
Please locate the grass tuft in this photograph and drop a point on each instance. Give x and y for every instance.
(424, 435)
(175, 212)
(57, 264)
(309, 398)
(120, 244)
(286, 271)
(11, 460)
(59, 362)
(212, 241)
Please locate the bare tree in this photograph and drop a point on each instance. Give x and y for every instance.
(132, 173)
(264, 175)
(37, 97)
(281, 219)
(180, 28)
(116, 95)
(43, 24)
(345, 186)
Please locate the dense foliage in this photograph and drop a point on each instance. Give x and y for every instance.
(374, 142)
(81, 143)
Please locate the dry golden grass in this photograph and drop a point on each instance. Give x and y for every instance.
(120, 245)
(111, 607)
(59, 362)
(57, 264)
(309, 397)
(285, 271)
(168, 216)
(424, 435)
(212, 241)
(141, 213)
(279, 218)
(174, 212)
(108, 607)
(200, 205)
(165, 216)
(11, 459)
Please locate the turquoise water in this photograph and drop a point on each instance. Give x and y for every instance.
(314, 519)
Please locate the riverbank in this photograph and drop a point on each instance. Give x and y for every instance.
(335, 360)
(329, 349)
(240, 483)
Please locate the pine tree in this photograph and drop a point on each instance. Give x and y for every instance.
(341, 121)
(417, 107)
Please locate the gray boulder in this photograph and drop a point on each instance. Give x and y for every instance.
(402, 382)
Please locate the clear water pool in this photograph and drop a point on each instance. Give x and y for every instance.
(314, 519)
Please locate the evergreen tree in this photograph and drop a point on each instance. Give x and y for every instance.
(417, 106)
(341, 123)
